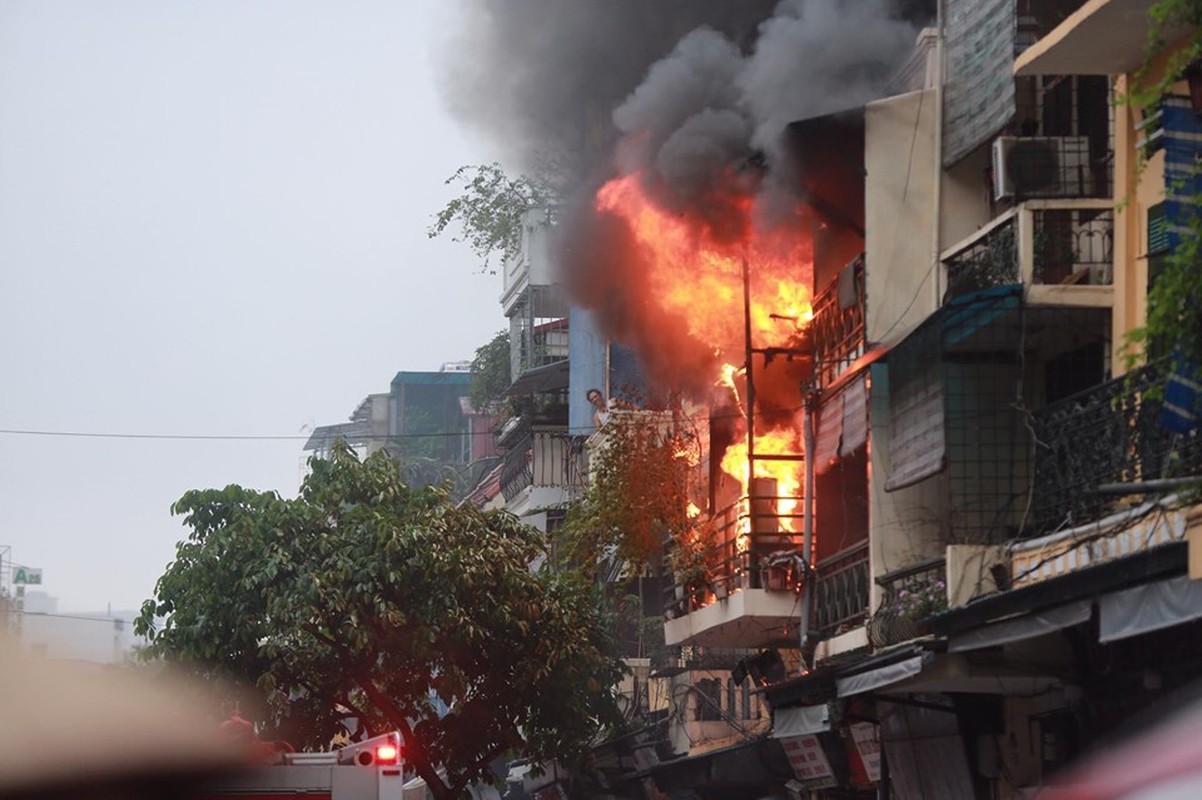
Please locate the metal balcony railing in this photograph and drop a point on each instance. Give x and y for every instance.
(542, 458)
(910, 595)
(988, 259)
(841, 589)
(837, 329)
(1037, 243)
(748, 550)
(1108, 434)
(1072, 246)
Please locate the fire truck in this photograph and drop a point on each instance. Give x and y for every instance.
(369, 770)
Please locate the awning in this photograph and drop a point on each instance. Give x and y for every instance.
(800, 721)
(842, 423)
(1148, 608)
(881, 676)
(828, 433)
(541, 379)
(1026, 626)
(855, 416)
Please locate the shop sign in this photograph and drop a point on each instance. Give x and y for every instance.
(868, 743)
(809, 761)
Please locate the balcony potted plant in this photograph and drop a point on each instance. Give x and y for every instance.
(920, 598)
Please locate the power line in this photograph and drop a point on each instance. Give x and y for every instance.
(306, 437)
(194, 436)
(238, 437)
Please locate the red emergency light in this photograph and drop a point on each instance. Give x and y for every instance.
(382, 750)
(387, 754)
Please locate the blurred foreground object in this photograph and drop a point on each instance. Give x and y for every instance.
(1163, 762)
(78, 730)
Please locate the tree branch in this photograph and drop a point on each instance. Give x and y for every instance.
(414, 753)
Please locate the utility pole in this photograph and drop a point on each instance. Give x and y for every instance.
(809, 399)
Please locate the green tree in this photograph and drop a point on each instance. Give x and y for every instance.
(638, 493)
(362, 597)
(491, 374)
(489, 211)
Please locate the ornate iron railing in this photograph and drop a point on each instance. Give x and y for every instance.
(1073, 246)
(542, 458)
(1108, 434)
(991, 260)
(910, 595)
(842, 597)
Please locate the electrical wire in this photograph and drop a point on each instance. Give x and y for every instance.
(306, 437)
(44, 614)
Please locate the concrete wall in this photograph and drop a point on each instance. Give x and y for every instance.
(909, 525)
(102, 640)
(587, 367)
(965, 203)
(900, 160)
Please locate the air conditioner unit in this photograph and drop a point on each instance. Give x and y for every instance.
(1040, 166)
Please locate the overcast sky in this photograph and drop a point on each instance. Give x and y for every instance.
(212, 222)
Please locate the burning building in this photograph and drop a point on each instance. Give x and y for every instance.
(886, 271)
(723, 205)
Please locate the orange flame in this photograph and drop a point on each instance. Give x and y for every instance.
(701, 279)
(697, 278)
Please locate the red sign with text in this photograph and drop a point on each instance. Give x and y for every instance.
(808, 760)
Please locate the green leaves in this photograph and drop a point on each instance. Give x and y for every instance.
(638, 491)
(366, 592)
(1174, 296)
(490, 373)
(489, 212)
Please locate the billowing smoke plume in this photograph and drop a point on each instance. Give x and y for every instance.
(690, 96)
(541, 78)
(706, 108)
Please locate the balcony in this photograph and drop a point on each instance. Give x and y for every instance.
(1062, 251)
(636, 424)
(531, 266)
(746, 590)
(542, 466)
(841, 591)
(749, 592)
(1110, 434)
(910, 595)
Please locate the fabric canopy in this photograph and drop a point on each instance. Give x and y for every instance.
(1148, 608)
(800, 721)
(881, 676)
(1025, 627)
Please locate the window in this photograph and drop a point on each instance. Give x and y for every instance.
(709, 700)
(1158, 242)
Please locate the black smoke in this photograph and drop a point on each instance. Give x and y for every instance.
(693, 96)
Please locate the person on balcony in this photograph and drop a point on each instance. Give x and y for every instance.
(600, 407)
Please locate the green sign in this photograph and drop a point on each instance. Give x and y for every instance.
(26, 575)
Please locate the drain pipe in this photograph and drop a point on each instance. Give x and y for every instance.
(809, 397)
